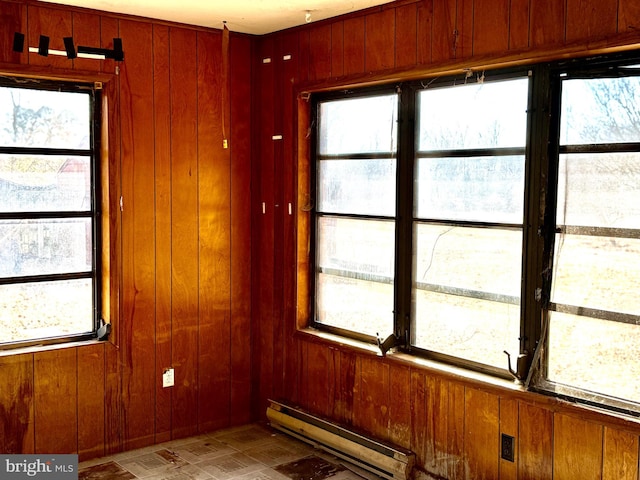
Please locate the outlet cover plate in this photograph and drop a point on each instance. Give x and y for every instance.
(167, 378)
(507, 447)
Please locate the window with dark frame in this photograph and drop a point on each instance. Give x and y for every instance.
(511, 230)
(49, 212)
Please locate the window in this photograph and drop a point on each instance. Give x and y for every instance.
(487, 214)
(594, 313)
(48, 212)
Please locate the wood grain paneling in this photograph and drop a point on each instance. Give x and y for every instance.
(577, 448)
(214, 217)
(491, 28)
(55, 401)
(445, 35)
(455, 460)
(481, 439)
(400, 405)
(162, 181)
(465, 28)
(184, 230)
(337, 49)
(419, 416)
(535, 443)
(14, 20)
(518, 24)
(241, 151)
(91, 408)
(509, 426)
(547, 23)
(438, 411)
(138, 240)
(16, 404)
(406, 35)
(354, 45)
(373, 400)
(317, 379)
(620, 455)
(380, 28)
(591, 19)
(628, 16)
(320, 52)
(424, 32)
(53, 23)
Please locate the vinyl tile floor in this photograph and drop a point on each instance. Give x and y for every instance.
(250, 452)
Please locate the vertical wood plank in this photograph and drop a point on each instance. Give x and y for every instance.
(354, 45)
(518, 24)
(318, 378)
(456, 460)
(86, 32)
(214, 217)
(400, 405)
(14, 19)
(137, 325)
(424, 32)
(380, 29)
(16, 404)
(304, 56)
(374, 397)
(620, 455)
(347, 374)
(591, 19)
(418, 416)
(509, 426)
(91, 408)
(436, 442)
(320, 52)
(162, 166)
(481, 436)
(547, 23)
(535, 445)
(463, 45)
(628, 16)
(289, 46)
(577, 448)
(56, 401)
(109, 29)
(240, 230)
(184, 230)
(491, 28)
(53, 23)
(406, 35)
(264, 222)
(337, 49)
(444, 32)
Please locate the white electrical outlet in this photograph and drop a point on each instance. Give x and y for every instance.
(167, 378)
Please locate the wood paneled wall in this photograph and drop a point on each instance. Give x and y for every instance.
(452, 425)
(181, 272)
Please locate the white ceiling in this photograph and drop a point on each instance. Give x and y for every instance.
(247, 16)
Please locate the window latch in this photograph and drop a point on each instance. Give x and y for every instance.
(522, 366)
(387, 344)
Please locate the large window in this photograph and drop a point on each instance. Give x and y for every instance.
(492, 213)
(48, 212)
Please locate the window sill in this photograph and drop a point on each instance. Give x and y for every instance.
(481, 381)
(45, 348)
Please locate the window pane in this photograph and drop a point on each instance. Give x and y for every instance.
(44, 183)
(358, 125)
(466, 292)
(355, 268)
(597, 355)
(600, 110)
(476, 115)
(40, 310)
(365, 187)
(44, 118)
(489, 189)
(599, 190)
(44, 247)
(597, 272)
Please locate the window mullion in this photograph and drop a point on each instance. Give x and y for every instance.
(404, 215)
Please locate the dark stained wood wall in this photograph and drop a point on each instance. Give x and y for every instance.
(180, 272)
(452, 424)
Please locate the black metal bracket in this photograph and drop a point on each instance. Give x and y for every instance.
(522, 366)
(388, 343)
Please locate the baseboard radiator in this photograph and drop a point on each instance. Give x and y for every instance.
(381, 459)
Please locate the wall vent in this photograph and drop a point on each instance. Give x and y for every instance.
(382, 459)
